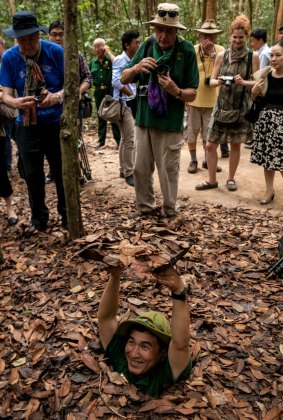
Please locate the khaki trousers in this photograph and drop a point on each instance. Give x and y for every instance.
(126, 147)
(163, 149)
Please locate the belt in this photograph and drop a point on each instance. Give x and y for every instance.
(101, 87)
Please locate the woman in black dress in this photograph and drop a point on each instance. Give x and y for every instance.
(267, 148)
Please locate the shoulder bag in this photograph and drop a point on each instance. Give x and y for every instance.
(111, 110)
(253, 113)
(6, 113)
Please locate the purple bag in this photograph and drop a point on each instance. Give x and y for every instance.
(157, 98)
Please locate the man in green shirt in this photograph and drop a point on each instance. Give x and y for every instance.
(165, 67)
(146, 350)
(101, 70)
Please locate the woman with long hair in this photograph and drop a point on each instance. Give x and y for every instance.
(232, 72)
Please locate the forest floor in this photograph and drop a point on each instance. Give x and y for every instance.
(51, 364)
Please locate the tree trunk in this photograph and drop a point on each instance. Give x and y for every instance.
(69, 126)
(12, 7)
(278, 18)
(211, 9)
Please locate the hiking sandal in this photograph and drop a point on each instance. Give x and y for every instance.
(205, 185)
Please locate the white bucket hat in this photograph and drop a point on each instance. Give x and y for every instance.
(167, 15)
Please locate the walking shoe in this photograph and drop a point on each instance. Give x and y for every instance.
(34, 229)
(249, 145)
(225, 155)
(204, 166)
(231, 185)
(205, 185)
(130, 180)
(98, 145)
(193, 167)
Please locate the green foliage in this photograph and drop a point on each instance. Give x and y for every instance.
(117, 16)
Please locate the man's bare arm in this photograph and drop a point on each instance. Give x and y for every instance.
(179, 347)
(17, 103)
(108, 307)
(146, 65)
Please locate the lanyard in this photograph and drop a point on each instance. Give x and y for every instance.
(202, 58)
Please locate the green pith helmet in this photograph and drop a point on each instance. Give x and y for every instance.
(155, 322)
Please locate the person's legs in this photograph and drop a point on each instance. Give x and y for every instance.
(8, 144)
(234, 159)
(212, 159)
(102, 124)
(166, 148)
(194, 126)
(6, 190)
(224, 150)
(143, 170)
(31, 154)
(116, 133)
(50, 135)
(126, 150)
(5, 185)
(269, 180)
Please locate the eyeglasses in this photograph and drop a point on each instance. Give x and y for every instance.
(57, 34)
(170, 13)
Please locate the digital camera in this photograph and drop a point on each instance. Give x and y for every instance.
(37, 93)
(162, 69)
(143, 90)
(207, 80)
(229, 80)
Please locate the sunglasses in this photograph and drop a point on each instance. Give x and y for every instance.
(170, 13)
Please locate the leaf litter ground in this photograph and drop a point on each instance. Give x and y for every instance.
(51, 364)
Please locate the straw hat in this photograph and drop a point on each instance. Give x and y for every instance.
(262, 74)
(167, 15)
(209, 27)
(24, 23)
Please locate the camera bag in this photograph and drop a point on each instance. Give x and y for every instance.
(111, 110)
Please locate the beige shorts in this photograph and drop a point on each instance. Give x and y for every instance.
(198, 120)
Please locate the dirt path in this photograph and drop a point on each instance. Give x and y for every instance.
(105, 169)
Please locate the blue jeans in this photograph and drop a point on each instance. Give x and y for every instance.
(35, 142)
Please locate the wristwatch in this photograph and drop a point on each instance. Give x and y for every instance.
(60, 97)
(181, 296)
(179, 94)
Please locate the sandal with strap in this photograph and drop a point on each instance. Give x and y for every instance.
(231, 185)
(206, 186)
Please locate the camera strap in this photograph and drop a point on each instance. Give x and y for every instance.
(249, 65)
(201, 55)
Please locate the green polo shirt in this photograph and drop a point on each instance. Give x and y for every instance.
(184, 72)
(101, 71)
(153, 382)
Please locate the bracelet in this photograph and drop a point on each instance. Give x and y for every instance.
(181, 296)
(179, 94)
(60, 97)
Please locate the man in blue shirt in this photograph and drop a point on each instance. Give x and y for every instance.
(127, 93)
(259, 44)
(35, 69)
